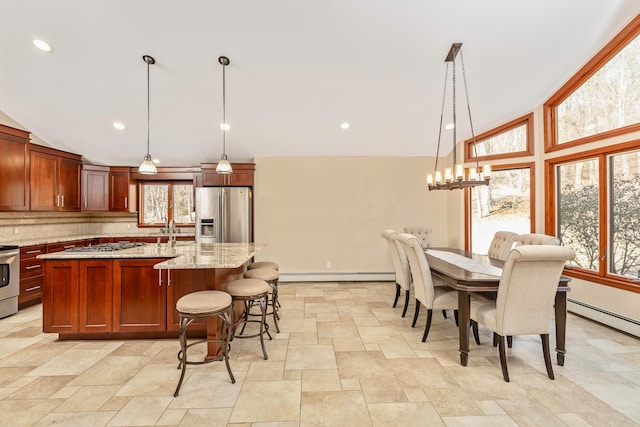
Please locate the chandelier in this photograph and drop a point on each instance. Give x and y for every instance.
(456, 177)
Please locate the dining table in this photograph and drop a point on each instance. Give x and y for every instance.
(470, 273)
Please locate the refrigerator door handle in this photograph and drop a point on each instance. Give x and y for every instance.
(221, 223)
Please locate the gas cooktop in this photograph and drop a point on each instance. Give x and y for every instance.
(106, 247)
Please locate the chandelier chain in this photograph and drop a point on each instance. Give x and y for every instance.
(466, 92)
(444, 95)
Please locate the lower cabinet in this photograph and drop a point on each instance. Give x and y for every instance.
(116, 295)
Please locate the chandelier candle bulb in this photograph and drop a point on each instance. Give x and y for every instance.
(438, 177)
(472, 174)
(459, 172)
(448, 175)
(430, 180)
(486, 171)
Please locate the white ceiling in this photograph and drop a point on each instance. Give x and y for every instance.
(298, 69)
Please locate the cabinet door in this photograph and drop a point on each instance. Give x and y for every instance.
(96, 296)
(14, 171)
(181, 283)
(43, 182)
(69, 184)
(210, 178)
(139, 296)
(240, 179)
(95, 191)
(60, 296)
(119, 191)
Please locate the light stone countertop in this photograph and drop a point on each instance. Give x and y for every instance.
(184, 255)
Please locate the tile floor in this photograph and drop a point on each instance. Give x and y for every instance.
(344, 357)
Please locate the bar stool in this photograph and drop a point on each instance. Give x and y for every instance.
(251, 292)
(198, 305)
(270, 276)
(263, 264)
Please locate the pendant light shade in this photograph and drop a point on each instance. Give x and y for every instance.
(147, 167)
(224, 167)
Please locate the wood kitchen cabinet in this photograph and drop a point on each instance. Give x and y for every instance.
(54, 180)
(181, 283)
(119, 178)
(60, 296)
(95, 188)
(14, 169)
(139, 296)
(31, 275)
(95, 307)
(242, 176)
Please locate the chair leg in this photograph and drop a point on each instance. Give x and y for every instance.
(415, 315)
(444, 313)
(428, 325)
(395, 301)
(263, 307)
(509, 341)
(547, 356)
(226, 319)
(406, 302)
(503, 357)
(274, 304)
(455, 316)
(476, 335)
(183, 352)
(495, 339)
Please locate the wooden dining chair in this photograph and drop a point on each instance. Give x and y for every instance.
(431, 297)
(501, 244)
(401, 267)
(525, 299)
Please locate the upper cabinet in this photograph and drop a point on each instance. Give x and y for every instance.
(242, 176)
(54, 180)
(14, 169)
(95, 188)
(119, 189)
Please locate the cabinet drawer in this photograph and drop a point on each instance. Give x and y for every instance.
(30, 288)
(30, 268)
(28, 252)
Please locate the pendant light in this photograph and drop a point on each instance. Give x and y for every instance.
(224, 167)
(456, 178)
(147, 167)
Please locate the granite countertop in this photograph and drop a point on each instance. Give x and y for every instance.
(183, 255)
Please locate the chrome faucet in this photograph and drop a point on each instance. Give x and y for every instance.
(172, 229)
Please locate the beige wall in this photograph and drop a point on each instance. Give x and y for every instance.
(311, 210)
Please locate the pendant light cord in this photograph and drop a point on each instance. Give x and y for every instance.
(224, 112)
(148, 107)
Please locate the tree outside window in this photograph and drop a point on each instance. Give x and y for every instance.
(162, 202)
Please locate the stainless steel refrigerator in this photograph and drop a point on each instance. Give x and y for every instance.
(223, 215)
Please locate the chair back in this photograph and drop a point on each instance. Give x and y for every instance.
(502, 244)
(420, 271)
(527, 289)
(537, 239)
(399, 257)
(423, 234)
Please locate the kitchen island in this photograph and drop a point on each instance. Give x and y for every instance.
(132, 293)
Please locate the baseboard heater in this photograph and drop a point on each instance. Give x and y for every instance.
(337, 277)
(606, 317)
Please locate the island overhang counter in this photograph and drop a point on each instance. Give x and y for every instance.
(131, 293)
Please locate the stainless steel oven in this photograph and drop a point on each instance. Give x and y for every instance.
(9, 279)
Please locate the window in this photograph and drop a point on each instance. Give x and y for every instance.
(597, 213)
(602, 99)
(506, 204)
(163, 201)
(513, 139)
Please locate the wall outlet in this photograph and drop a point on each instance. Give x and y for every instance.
(328, 264)
(15, 230)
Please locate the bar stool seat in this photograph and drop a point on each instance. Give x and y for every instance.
(251, 292)
(200, 305)
(270, 276)
(263, 264)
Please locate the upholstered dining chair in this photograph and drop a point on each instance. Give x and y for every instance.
(502, 244)
(423, 234)
(401, 267)
(431, 297)
(537, 239)
(526, 295)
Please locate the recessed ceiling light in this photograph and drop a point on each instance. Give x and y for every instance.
(42, 45)
(344, 125)
(449, 126)
(225, 126)
(119, 126)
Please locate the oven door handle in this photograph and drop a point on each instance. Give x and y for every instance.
(8, 254)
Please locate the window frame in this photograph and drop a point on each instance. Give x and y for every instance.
(550, 108)
(601, 276)
(526, 120)
(532, 198)
(170, 184)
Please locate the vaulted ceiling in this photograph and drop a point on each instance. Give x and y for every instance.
(298, 70)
